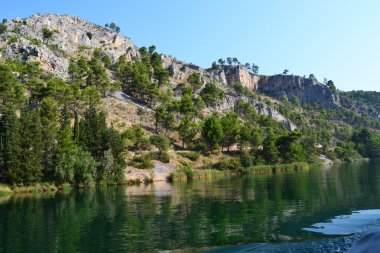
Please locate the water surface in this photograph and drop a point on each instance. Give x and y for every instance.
(280, 209)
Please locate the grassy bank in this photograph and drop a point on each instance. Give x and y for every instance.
(37, 188)
(5, 190)
(187, 173)
(183, 175)
(260, 169)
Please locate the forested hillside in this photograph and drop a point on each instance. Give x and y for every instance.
(113, 108)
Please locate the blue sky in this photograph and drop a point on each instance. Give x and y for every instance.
(333, 39)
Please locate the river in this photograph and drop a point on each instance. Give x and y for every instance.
(284, 210)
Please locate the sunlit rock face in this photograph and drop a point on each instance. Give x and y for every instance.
(72, 37)
(307, 90)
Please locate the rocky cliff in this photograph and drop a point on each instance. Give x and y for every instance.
(307, 90)
(72, 37)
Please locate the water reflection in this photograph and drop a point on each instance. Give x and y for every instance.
(148, 218)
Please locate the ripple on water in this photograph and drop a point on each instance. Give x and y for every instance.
(357, 222)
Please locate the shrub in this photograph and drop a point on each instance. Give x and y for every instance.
(142, 162)
(160, 156)
(3, 28)
(193, 156)
(246, 160)
(160, 142)
(227, 164)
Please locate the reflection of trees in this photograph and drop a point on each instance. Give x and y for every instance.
(215, 212)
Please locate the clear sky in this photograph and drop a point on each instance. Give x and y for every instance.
(333, 39)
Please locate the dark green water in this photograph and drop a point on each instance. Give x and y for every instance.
(197, 215)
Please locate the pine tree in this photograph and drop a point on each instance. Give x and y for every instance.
(49, 123)
(31, 159)
(231, 128)
(93, 129)
(270, 152)
(212, 131)
(76, 127)
(66, 149)
(11, 150)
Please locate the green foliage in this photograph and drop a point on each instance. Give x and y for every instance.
(78, 167)
(135, 138)
(270, 151)
(10, 146)
(232, 164)
(331, 86)
(187, 130)
(142, 162)
(194, 80)
(113, 27)
(370, 98)
(231, 129)
(160, 156)
(3, 28)
(160, 142)
(31, 156)
(246, 160)
(367, 143)
(211, 94)
(212, 132)
(164, 117)
(290, 148)
(143, 78)
(193, 156)
(47, 34)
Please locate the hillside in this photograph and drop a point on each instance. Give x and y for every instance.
(134, 112)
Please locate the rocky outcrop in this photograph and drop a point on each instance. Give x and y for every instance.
(230, 101)
(72, 37)
(240, 74)
(307, 90)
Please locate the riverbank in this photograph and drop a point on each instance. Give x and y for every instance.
(164, 172)
(188, 173)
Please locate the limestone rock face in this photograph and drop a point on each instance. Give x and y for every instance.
(306, 90)
(72, 37)
(240, 74)
(230, 101)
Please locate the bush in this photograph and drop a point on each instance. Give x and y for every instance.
(160, 156)
(160, 142)
(36, 42)
(3, 28)
(246, 160)
(227, 164)
(142, 162)
(193, 156)
(199, 146)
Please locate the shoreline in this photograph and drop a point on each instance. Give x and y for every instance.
(177, 175)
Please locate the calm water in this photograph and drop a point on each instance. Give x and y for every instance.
(280, 208)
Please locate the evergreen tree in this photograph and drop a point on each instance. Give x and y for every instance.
(66, 150)
(290, 148)
(270, 152)
(212, 131)
(76, 127)
(49, 131)
(187, 130)
(11, 149)
(93, 133)
(231, 128)
(31, 144)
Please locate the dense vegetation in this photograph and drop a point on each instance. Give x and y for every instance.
(54, 130)
(370, 98)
